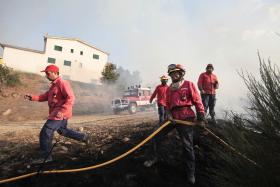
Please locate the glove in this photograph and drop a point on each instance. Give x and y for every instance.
(28, 97)
(170, 117)
(201, 121)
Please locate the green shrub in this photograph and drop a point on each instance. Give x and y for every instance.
(8, 77)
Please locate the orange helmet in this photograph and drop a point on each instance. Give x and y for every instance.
(163, 77)
(175, 67)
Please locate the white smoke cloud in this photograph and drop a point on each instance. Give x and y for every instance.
(148, 35)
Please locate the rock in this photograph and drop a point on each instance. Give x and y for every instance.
(109, 137)
(68, 143)
(15, 95)
(80, 129)
(64, 148)
(7, 112)
(126, 139)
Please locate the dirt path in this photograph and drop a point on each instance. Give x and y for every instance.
(84, 121)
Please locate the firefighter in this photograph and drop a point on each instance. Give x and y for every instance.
(160, 92)
(180, 96)
(207, 84)
(60, 99)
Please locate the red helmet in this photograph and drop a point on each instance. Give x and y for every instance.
(52, 68)
(175, 67)
(164, 77)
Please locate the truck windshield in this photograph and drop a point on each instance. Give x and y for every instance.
(132, 93)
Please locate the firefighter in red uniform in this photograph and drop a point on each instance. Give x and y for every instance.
(60, 99)
(181, 95)
(160, 92)
(207, 84)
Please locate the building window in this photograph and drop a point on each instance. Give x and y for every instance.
(57, 48)
(51, 60)
(95, 56)
(72, 50)
(81, 52)
(67, 63)
(81, 65)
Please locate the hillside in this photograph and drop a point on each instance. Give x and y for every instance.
(90, 99)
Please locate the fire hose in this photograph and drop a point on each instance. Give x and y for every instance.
(2, 181)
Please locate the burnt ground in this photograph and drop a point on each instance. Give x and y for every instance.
(21, 121)
(215, 165)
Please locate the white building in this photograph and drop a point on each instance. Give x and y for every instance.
(76, 59)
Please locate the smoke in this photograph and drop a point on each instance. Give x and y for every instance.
(92, 98)
(226, 34)
(146, 36)
(127, 79)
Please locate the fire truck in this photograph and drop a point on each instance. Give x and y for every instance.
(135, 98)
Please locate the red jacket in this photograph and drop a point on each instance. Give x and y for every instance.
(160, 92)
(208, 82)
(60, 98)
(179, 101)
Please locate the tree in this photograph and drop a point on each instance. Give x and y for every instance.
(109, 74)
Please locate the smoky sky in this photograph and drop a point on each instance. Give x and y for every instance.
(146, 36)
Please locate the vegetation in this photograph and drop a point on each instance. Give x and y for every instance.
(258, 135)
(8, 77)
(109, 74)
(119, 77)
(264, 97)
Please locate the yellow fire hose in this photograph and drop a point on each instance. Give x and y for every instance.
(122, 155)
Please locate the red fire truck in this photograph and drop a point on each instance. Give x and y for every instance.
(133, 99)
